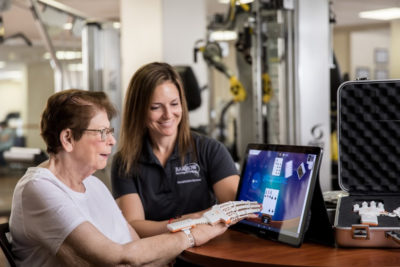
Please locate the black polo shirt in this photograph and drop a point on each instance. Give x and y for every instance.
(175, 189)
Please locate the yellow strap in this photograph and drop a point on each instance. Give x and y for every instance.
(267, 88)
(237, 89)
(334, 147)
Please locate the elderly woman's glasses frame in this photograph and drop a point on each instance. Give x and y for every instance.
(103, 132)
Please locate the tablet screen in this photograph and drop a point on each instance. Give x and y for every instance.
(282, 178)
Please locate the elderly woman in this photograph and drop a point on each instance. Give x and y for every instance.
(63, 215)
(163, 170)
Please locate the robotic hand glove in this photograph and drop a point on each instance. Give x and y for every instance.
(228, 212)
(369, 214)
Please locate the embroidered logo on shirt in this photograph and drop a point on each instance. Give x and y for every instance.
(188, 168)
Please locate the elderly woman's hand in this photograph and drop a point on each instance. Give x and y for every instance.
(204, 232)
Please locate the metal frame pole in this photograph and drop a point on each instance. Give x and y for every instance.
(54, 62)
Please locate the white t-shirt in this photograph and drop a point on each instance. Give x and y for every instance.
(45, 211)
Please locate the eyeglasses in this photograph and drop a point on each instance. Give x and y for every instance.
(103, 132)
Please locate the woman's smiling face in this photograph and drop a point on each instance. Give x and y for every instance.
(165, 111)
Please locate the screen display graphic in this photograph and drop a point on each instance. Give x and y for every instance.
(281, 182)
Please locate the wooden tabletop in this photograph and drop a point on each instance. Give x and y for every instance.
(234, 248)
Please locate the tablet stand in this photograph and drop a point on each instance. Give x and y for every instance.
(319, 229)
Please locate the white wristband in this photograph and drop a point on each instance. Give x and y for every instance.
(189, 236)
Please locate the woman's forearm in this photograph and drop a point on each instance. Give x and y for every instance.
(146, 228)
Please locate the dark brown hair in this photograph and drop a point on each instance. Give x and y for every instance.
(71, 109)
(136, 108)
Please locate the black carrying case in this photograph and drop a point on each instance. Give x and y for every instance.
(369, 161)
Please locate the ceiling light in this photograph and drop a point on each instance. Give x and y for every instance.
(65, 55)
(238, 2)
(75, 67)
(223, 36)
(67, 26)
(116, 25)
(381, 14)
(69, 55)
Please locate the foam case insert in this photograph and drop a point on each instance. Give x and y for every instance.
(369, 147)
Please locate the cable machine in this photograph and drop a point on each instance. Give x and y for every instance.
(264, 56)
(282, 61)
